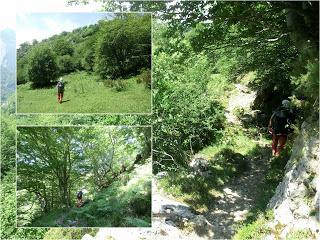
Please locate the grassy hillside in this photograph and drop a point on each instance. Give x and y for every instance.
(125, 203)
(85, 93)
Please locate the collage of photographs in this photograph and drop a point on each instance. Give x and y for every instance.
(159, 120)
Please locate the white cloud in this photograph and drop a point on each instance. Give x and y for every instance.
(52, 27)
(57, 27)
(9, 8)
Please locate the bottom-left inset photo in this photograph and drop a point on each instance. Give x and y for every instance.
(84, 176)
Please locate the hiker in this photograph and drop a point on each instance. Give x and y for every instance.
(60, 87)
(79, 197)
(280, 126)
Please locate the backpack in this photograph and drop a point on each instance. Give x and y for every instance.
(60, 86)
(79, 195)
(281, 121)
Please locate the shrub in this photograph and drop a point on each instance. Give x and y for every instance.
(118, 84)
(186, 118)
(43, 66)
(123, 46)
(62, 47)
(65, 64)
(60, 233)
(145, 77)
(22, 70)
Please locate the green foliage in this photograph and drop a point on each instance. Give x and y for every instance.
(23, 49)
(115, 48)
(63, 47)
(22, 70)
(8, 205)
(307, 87)
(145, 77)
(43, 68)
(255, 230)
(122, 204)
(87, 61)
(54, 163)
(280, 44)
(186, 118)
(133, 222)
(123, 46)
(118, 85)
(7, 187)
(300, 234)
(65, 64)
(7, 143)
(68, 234)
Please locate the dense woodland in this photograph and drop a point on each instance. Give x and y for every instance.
(200, 49)
(113, 49)
(54, 164)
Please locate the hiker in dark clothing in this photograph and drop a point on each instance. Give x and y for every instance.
(79, 197)
(60, 87)
(280, 126)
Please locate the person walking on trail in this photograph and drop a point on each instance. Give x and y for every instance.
(60, 87)
(79, 198)
(280, 126)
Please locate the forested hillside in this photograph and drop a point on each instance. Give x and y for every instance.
(219, 71)
(111, 54)
(54, 164)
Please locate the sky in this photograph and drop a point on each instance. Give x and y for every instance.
(10, 8)
(40, 26)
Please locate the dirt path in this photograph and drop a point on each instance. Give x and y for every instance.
(240, 194)
(239, 197)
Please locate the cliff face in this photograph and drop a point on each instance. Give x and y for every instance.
(297, 199)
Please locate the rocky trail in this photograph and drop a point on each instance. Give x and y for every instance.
(238, 198)
(173, 219)
(239, 195)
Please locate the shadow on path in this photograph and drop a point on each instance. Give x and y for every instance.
(239, 196)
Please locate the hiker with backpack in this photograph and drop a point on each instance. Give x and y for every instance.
(60, 87)
(79, 198)
(280, 126)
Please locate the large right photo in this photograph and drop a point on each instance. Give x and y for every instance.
(241, 81)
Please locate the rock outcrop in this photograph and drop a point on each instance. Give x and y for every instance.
(171, 220)
(296, 200)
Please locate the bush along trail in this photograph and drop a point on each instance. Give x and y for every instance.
(106, 209)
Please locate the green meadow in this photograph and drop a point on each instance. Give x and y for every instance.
(86, 93)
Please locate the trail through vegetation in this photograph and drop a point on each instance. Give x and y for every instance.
(237, 198)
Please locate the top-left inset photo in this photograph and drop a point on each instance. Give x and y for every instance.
(84, 63)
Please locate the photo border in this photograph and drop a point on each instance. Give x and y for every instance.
(87, 113)
(96, 125)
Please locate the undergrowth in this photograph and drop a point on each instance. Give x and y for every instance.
(122, 204)
(227, 159)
